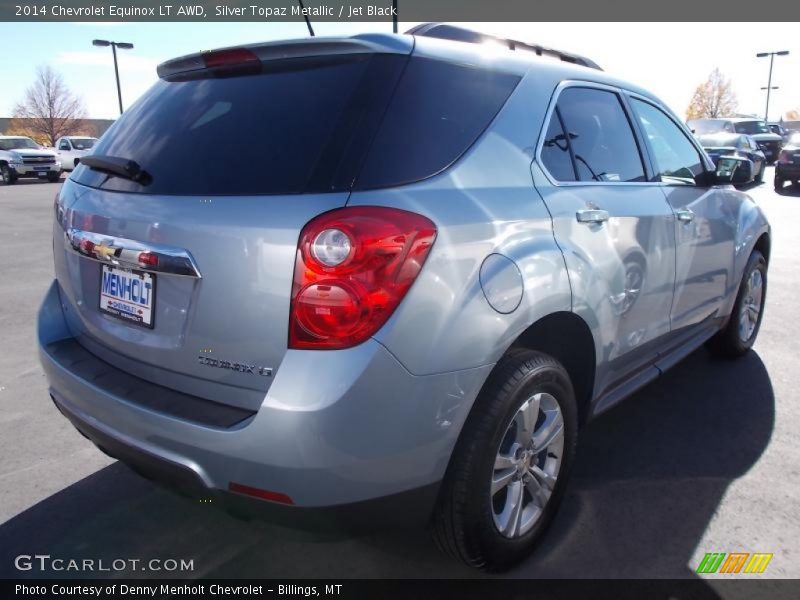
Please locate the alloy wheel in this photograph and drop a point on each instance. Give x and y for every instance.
(527, 465)
(751, 305)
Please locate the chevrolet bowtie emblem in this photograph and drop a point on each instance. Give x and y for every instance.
(103, 251)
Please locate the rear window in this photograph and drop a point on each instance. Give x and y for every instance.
(751, 127)
(303, 126)
(717, 141)
(437, 113)
(710, 126)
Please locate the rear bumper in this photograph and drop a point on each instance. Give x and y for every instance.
(412, 507)
(335, 428)
(785, 171)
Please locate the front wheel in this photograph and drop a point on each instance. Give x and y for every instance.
(510, 465)
(54, 177)
(740, 333)
(8, 175)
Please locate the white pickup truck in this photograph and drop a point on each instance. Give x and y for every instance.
(71, 149)
(20, 156)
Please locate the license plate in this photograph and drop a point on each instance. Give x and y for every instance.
(128, 295)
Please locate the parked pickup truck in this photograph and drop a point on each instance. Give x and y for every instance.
(22, 157)
(71, 149)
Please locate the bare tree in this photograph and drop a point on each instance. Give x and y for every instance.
(713, 98)
(49, 110)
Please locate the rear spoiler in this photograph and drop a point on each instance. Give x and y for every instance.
(278, 50)
(460, 34)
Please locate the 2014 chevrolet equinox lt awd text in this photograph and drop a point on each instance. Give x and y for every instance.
(443, 260)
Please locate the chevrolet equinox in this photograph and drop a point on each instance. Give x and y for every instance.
(389, 271)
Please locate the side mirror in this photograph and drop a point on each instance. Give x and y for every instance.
(733, 169)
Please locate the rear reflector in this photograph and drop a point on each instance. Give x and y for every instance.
(246, 490)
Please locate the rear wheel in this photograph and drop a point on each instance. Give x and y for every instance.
(54, 177)
(8, 175)
(778, 184)
(741, 331)
(510, 465)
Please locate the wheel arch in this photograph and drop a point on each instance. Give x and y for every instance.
(566, 337)
(764, 245)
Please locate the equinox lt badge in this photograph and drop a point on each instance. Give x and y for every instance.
(235, 366)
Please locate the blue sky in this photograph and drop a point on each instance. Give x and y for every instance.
(670, 59)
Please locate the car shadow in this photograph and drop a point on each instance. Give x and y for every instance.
(649, 476)
(31, 181)
(789, 190)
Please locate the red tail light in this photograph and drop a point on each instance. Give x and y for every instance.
(784, 157)
(232, 61)
(148, 259)
(354, 266)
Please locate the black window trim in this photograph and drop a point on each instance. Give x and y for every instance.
(642, 149)
(683, 128)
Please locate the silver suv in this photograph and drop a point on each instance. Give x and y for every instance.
(442, 261)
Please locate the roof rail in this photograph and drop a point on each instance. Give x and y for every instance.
(460, 34)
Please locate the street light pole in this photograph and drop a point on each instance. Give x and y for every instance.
(769, 87)
(114, 46)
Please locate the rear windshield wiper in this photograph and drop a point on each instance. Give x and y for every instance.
(117, 166)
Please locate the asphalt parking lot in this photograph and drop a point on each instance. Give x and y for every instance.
(705, 459)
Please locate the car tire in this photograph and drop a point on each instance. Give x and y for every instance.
(54, 177)
(491, 474)
(778, 184)
(744, 322)
(9, 177)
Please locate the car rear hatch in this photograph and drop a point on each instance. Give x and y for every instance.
(181, 274)
(199, 192)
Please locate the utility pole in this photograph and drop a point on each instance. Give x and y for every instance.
(769, 87)
(114, 46)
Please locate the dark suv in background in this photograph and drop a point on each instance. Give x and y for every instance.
(788, 166)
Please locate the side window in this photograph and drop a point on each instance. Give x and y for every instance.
(64, 145)
(676, 158)
(555, 151)
(600, 136)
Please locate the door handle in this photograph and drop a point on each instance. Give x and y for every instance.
(591, 216)
(684, 215)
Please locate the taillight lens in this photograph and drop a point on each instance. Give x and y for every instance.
(784, 157)
(354, 265)
(232, 61)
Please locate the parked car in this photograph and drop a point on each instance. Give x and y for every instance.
(22, 157)
(71, 149)
(791, 126)
(439, 271)
(780, 130)
(788, 166)
(717, 145)
(770, 143)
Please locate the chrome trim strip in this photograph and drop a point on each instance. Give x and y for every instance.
(124, 253)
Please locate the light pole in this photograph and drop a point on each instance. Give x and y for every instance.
(114, 46)
(769, 87)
